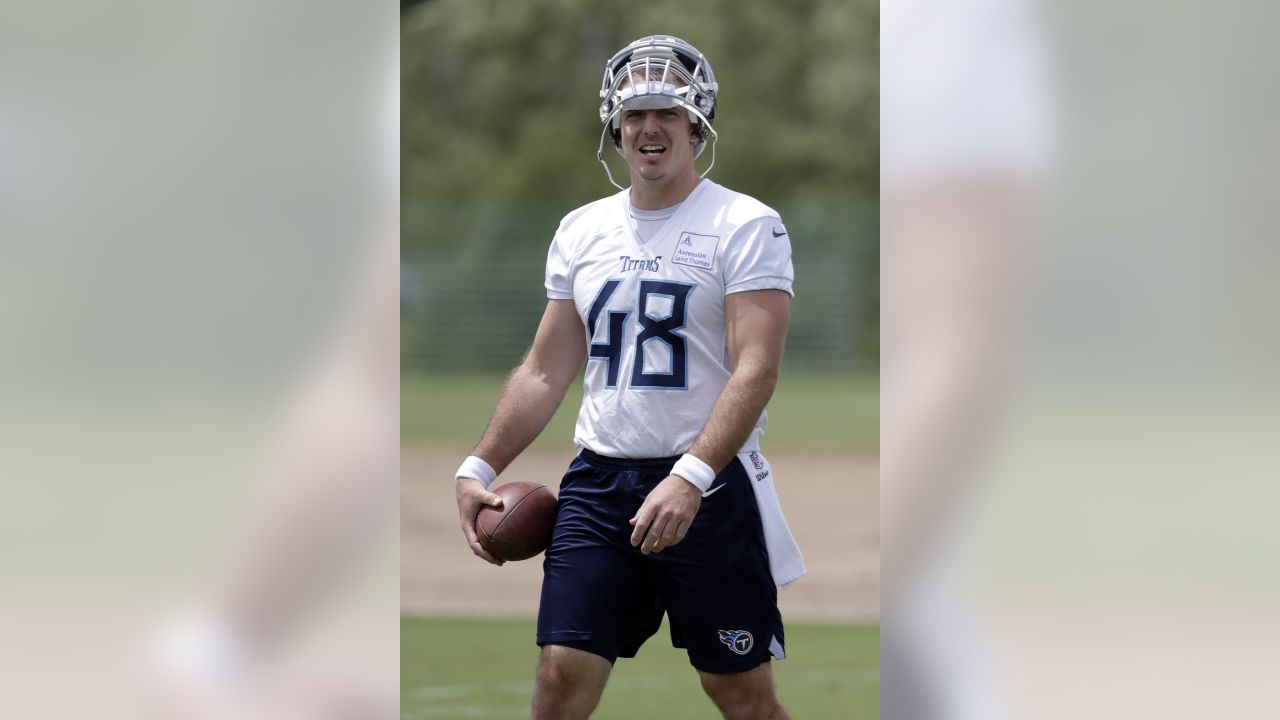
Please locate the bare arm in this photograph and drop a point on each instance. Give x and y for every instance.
(756, 325)
(536, 387)
(532, 393)
(756, 329)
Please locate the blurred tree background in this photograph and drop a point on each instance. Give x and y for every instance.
(499, 128)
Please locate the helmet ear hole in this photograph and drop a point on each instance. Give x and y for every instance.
(617, 138)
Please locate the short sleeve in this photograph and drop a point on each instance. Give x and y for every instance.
(758, 257)
(557, 281)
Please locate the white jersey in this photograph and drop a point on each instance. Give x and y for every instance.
(654, 312)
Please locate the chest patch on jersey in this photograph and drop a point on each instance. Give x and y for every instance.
(696, 250)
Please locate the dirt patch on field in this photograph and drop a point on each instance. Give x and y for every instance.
(832, 502)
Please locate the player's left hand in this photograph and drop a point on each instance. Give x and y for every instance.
(665, 515)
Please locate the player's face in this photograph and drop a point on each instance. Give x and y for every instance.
(658, 144)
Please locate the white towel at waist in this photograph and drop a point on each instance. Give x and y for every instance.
(785, 560)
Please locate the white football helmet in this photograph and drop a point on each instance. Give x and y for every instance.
(658, 71)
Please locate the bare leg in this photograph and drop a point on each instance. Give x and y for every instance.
(569, 683)
(749, 695)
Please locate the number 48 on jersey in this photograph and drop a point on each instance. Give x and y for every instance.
(663, 330)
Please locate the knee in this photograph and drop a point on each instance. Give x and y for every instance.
(553, 694)
(568, 684)
(740, 700)
(554, 678)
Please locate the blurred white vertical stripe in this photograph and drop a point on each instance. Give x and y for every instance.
(189, 198)
(1120, 494)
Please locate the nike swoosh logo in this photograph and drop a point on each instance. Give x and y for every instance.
(778, 234)
(712, 490)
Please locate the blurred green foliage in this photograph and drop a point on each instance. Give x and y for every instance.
(499, 129)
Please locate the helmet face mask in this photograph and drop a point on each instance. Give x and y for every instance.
(659, 71)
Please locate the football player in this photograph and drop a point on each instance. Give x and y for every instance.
(675, 295)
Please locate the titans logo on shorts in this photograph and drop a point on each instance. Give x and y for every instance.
(601, 595)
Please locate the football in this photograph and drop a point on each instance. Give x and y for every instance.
(521, 528)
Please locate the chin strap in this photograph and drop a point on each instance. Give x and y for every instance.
(600, 157)
(714, 136)
(608, 125)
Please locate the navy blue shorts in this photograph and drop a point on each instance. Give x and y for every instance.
(601, 595)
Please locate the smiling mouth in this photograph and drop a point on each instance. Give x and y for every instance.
(652, 150)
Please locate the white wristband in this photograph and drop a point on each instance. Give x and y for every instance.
(698, 473)
(474, 467)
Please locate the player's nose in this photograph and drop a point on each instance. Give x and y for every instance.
(651, 124)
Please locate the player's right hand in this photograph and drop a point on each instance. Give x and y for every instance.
(471, 497)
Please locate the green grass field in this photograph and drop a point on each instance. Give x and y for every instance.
(471, 669)
(807, 412)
